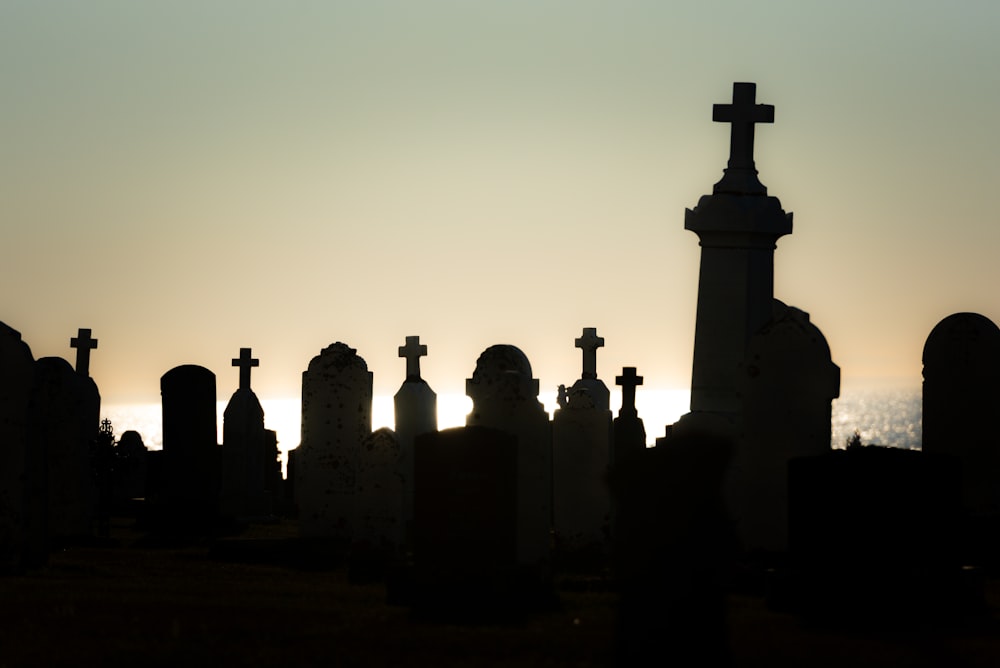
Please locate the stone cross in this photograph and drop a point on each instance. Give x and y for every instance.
(245, 362)
(628, 380)
(83, 344)
(743, 114)
(589, 342)
(413, 351)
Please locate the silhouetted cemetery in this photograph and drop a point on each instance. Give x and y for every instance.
(503, 516)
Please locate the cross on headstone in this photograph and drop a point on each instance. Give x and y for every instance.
(83, 344)
(413, 351)
(589, 342)
(628, 380)
(245, 362)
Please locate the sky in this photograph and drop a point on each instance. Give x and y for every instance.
(190, 178)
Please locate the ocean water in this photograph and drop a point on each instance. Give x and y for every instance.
(883, 417)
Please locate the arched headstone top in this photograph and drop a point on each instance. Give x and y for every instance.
(962, 343)
(186, 373)
(337, 357)
(790, 322)
(502, 371)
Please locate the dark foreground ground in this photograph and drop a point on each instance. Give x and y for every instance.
(137, 603)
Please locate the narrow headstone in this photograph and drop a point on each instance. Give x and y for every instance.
(415, 407)
(336, 419)
(23, 481)
(960, 395)
(505, 396)
(130, 467)
(245, 465)
(581, 458)
(629, 431)
(65, 416)
(191, 475)
(378, 519)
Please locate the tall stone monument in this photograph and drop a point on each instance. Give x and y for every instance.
(245, 465)
(336, 420)
(762, 374)
(505, 397)
(415, 407)
(581, 458)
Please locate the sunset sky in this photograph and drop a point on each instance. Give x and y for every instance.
(189, 178)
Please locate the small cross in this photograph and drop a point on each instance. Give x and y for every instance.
(628, 380)
(590, 342)
(83, 344)
(245, 362)
(413, 351)
(743, 114)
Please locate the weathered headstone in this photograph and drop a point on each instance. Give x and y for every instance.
(416, 413)
(960, 396)
(245, 465)
(65, 416)
(581, 458)
(130, 467)
(191, 475)
(23, 481)
(505, 396)
(788, 386)
(379, 505)
(466, 516)
(336, 419)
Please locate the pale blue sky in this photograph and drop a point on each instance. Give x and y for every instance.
(190, 178)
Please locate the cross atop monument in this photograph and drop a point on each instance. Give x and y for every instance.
(628, 380)
(590, 342)
(245, 362)
(83, 344)
(743, 114)
(413, 351)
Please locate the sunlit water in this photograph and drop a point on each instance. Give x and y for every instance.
(884, 417)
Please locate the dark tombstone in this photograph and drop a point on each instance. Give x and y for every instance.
(378, 536)
(191, 475)
(336, 419)
(415, 407)
(129, 470)
(65, 415)
(581, 457)
(788, 385)
(960, 396)
(23, 481)
(245, 465)
(673, 551)
(505, 396)
(466, 534)
(629, 431)
(874, 536)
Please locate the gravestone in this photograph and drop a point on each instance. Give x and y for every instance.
(415, 407)
(788, 386)
(130, 468)
(960, 395)
(581, 457)
(23, 481)
(505, 396)
(191, 467)
(65, 414)
(379, 505)
(466, 515)
(762, 372)
(629, 431)
(245, 464)
(336, 419)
